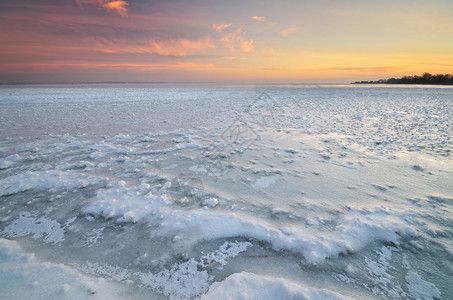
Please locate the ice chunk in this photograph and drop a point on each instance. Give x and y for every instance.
(353, 233)
(211, 202)
(278, 211)
(127, 204)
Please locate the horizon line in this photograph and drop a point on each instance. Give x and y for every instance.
(171, 82)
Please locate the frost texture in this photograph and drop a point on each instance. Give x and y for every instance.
(188, 279)
(50, 231)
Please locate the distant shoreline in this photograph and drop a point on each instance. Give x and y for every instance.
(425, 78)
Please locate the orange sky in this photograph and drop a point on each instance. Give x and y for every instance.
(231, 41)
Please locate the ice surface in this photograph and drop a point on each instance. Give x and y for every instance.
(45, 180)
(184, 192)
(265, 182)
(248, 286)
(7, 162)
(421, 289)
(22, 276)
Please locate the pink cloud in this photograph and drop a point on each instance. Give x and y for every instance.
(290, 30)
(168, 47)
(261, 19)
(183, 47)
(119, 7)
(220, 27)
(235, 40)
(247, 46)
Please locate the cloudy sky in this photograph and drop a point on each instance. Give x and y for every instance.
(229, 41)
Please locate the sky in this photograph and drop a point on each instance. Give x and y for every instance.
(223, 41)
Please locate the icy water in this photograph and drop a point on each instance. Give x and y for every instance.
(226, 192)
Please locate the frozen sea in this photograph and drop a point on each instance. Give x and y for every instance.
(173, 191)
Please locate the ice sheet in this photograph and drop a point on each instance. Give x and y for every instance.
(189, 192)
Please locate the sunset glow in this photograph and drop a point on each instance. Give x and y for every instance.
(232, 41)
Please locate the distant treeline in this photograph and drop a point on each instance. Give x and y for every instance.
(426, 78)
